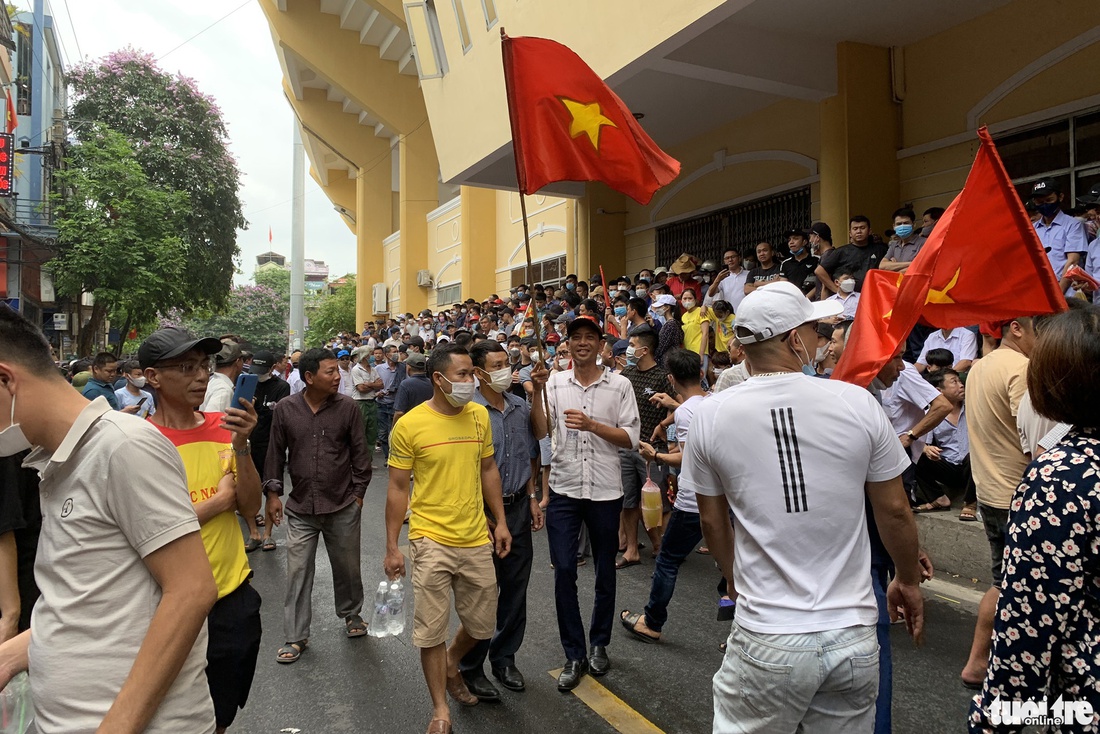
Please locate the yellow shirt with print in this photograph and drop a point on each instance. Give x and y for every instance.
(444, 453)
(722, 329)
(692, 322)
(207, 453)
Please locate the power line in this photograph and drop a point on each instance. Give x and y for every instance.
(73, 27)
(204, 30)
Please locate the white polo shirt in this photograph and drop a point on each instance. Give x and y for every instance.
(593, 473)
(731, 290)
(113, 492)
(906, 403)
(960, 341)
(792, 454)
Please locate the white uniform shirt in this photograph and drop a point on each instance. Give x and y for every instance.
(961, 342)
(219, 392)
(685, 498)
(906, 403)
(360, 375)
(850, 304)
(591, 472)
(113, 492)
(792, 455)
(295, 381)
(731, 290)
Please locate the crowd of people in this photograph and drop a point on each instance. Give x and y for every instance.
(564, 407)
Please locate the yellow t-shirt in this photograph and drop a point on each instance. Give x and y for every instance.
(721, 331)
(692, 321)
(207, 453)
(444, 453)
(994, 388)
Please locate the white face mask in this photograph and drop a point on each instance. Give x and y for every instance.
(138, 382)
(460, 394)
(499, 380)
(822, 353)
(535, 355)
(12, 439)
(848, 285)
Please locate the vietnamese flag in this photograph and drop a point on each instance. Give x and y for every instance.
(875, 336)
(12, 121)
(567, 125)
(983, 263)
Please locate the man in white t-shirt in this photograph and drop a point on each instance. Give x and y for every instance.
(914, 408)
(729, 285)
(961, 342)
(118, 638)
(682, 533)
(767, 449)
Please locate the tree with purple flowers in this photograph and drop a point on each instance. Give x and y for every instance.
(256, 313)
(180, 140)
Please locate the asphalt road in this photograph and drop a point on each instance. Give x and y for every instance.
(375, 685)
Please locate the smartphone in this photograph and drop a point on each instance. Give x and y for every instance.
(140, 403)
(246, 388)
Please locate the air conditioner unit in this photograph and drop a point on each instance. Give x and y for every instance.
(380, 301)
(423, 279)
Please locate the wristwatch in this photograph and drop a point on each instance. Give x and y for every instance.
(246, 450)
(912, 436)
(532, 496)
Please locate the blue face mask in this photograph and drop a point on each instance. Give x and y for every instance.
(903, 230)
(551, 350)
(570, 286)
(620, 310)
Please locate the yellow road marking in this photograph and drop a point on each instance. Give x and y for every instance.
(947, 598)
(611, 708)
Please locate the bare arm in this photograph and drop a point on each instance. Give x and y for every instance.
(13, 657)
(826, 279)
(224, 500)
(937, 411)
(898, 531)
(575, 419)
(9, 587)
(241, 421)
(491, 493)
(188, 592)
(397, 501)
(718, 532)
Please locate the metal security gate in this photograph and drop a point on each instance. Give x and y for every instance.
(740, 228)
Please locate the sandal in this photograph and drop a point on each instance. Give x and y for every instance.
(930, 507)
(355, 626)
(252, 544)
(627, 564)
(291, 651)
(269, 544)
(630, 623)
(440, 726)
(969, 513)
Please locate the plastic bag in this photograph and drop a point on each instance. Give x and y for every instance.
(16, 706)
(652, 512)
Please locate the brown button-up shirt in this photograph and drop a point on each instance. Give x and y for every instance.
(329, 460)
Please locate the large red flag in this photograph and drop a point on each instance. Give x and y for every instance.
(12, 121)
(983, 262)
(567, 125)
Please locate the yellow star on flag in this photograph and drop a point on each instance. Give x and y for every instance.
(587, 120)
(941, 296)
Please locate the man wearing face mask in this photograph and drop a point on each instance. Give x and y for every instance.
(517, 429)
(132, 393)
(902, 253)
(1064, 237)
(118, 637)
(845, 295)
(448, 443)
(800, 266)
(794, 497)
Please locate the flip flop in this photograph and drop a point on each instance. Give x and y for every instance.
(291, 651)
(269, 545)
(630, 622)
(930, 507)
(627, 564)
(252, 544)
(973, 686)
(355, 626)
(968, 514)
(703, 550)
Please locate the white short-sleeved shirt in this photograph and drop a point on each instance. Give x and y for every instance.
(685, 498)
(295, 381)
(906, 403)
(219, 392)
(731, 290)
(961, 342)
(113, 492)
(592, 472)
(1037, 433)
(792, 454)
(360, 375)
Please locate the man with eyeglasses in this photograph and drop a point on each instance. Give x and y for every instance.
(729, 284)
(178, 366)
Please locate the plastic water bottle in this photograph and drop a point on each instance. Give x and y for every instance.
(395, 604)
(572, 444)
(380, 620)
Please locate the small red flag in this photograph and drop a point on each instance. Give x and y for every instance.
(12, 120)
(567, 124)
(270, 236)
(983, 262)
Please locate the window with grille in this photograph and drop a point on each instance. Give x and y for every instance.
(740, 228)
(448, 294)
(546, 272)
(1066, 150)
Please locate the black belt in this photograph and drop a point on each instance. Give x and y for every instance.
(511, 499)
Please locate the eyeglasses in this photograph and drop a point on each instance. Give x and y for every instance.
(189, 368)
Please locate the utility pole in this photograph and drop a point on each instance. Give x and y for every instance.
(298, 244)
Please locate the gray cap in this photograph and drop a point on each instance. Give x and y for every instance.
(229, 353)
(416, 361)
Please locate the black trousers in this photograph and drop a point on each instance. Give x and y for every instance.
(936, 478)
(513, 575)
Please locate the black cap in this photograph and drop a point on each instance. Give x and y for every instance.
(1045, 186)
(172, 342)
(796, 233)
(262, 362)
(822, 230)
(1092, 197)
(583, 322)
(416, 341)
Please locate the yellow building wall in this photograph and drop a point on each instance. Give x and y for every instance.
(550, 223)
(444, 248)
(391, 247)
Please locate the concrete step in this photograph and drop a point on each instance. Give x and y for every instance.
(956, 548)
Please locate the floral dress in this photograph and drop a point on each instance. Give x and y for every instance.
(1046, 639)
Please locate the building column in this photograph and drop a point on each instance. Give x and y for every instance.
(859, 141)
(419, 194)
(372, 225)
(600, 237)
(479, 242)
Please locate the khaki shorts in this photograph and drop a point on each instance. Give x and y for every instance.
(436, 571)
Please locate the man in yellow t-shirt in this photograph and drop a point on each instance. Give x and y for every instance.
(448, 442)
(179, 366)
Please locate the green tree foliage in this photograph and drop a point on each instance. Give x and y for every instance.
(333, 313)
(118, 233)
(180, 140)
(256, 313)
(275, 278)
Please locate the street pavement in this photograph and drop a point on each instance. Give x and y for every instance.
(375, 685)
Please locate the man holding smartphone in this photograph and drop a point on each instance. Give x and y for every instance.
(212, 445)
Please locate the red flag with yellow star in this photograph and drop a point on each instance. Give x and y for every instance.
(12, 122)
(567, 125)
(983, 263)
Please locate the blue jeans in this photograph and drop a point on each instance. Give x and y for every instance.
(880, 579)
(821, 682)
(681, 536)
(385, 422)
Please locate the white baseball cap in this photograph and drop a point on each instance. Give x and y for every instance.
(776, 308)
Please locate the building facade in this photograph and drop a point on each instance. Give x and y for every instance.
(781, 112)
